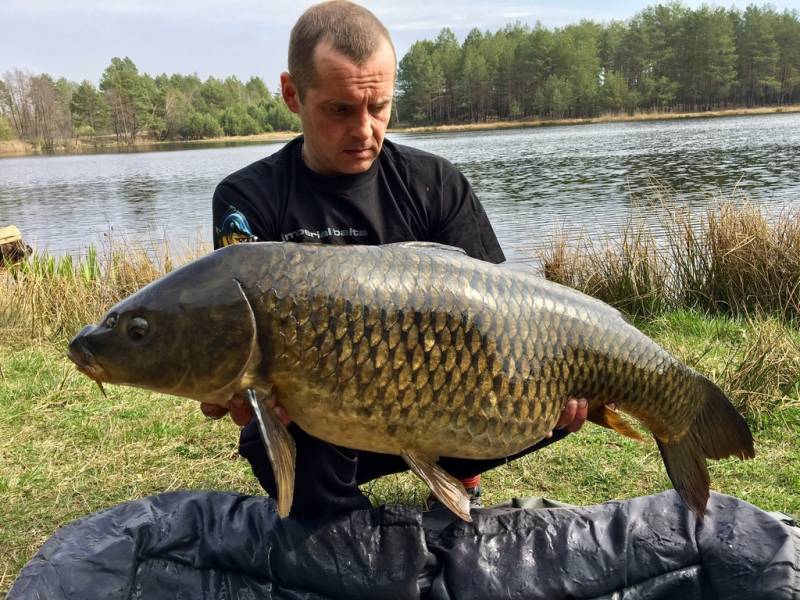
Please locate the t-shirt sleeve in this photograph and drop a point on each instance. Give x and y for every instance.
(463, 223)
(234, 217)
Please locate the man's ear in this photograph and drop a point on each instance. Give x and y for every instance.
(291, 96)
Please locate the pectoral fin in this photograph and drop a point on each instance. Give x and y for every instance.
(606, 417)
(280, 450)
(444, 486)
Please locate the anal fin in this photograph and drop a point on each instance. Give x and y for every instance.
(605, 417)
(280, 450)
(444, 486)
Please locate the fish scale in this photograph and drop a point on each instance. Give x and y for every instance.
(410, 349)
(474, 390)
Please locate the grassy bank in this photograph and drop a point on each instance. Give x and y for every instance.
(734, 259)
(66, 450)
(109, 144)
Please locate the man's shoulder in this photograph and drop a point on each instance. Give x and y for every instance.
(261, 172)
(417, 160)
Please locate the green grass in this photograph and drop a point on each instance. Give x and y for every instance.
(66, 450)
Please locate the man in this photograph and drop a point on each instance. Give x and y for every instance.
(342, 183)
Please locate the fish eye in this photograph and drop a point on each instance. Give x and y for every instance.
(138, 328)
(111, 321)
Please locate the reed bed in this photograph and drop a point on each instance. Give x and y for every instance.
(51, 298)
(732, 260)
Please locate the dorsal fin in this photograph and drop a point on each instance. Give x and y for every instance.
(431, 246)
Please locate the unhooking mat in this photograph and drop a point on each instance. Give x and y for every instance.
(212, 545)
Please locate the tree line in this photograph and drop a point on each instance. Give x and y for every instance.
(129, 105)
(666, 58)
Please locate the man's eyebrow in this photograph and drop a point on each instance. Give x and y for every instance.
(383, 100)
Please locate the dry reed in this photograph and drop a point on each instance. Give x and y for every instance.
(766, 374)
(628, 274)
(47, 297)
(732, 260)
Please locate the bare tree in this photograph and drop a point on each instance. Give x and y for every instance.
(35, 108)
(51, 119)
(15, 102)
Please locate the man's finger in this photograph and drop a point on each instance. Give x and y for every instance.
(580, 416)
(213, 411)
(568, 414)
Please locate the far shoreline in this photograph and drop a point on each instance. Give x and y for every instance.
(17, 148)
(609, 118)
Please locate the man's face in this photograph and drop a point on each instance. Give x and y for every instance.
(345, 113)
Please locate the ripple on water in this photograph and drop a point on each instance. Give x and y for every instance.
(586, 178)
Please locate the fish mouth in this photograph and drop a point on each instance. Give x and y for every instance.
(86, 363)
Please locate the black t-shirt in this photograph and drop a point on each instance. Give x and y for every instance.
(406, 195)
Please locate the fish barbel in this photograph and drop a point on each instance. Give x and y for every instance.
(411, 349)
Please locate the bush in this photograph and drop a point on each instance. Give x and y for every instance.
(281, 118)
(199, 125)
(235, 120)
(85, 131)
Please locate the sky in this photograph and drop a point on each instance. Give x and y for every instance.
(76, 39)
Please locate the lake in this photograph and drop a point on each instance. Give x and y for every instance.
(586, 178)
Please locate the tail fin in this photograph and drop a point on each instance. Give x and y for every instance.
(718, 431)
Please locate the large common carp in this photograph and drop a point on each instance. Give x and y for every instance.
(412, 349)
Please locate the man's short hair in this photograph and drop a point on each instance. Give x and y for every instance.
(351, 29)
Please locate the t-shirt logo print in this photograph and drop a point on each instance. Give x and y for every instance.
(234, 229)
(328, 232)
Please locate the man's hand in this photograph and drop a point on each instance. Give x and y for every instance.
(573, 416)
(240, 411)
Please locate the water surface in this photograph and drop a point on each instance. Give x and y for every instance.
(580, 178)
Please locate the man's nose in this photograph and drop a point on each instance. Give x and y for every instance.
(362, 128)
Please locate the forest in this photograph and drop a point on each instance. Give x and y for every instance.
(666, 58)
(130, 105)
